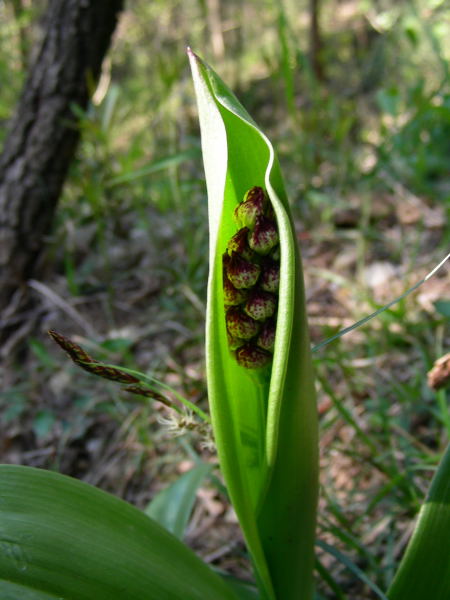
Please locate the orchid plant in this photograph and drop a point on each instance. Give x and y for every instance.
(61, 538)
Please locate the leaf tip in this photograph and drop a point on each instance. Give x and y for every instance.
(191, 54)
(194, 59)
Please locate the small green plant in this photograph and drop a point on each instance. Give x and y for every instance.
(61, 538)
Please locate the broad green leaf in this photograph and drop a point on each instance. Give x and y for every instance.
(172, 507)
(243, 590)
(265, 424)
(425, 569)
(13, 591)
(62, 538)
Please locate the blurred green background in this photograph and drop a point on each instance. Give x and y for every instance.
(359, 112)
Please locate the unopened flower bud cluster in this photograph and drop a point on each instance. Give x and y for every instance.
(251, 274)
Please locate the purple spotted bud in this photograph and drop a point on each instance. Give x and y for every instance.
(270, 276)
(264, 236)
(239, 244)
(253, 206)
(252, 357)
(260, 305)
(251, 271)
(231, 295)
(242, 273)
(266, 337)
(240, 325)
(256, 195)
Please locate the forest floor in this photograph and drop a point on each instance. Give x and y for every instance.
(365, 158)
(372, 393)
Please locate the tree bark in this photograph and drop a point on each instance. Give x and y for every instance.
(43, 137)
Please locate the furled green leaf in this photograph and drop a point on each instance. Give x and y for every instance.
(61, 538)
(172, 507)
(264, 423)
(425, 569)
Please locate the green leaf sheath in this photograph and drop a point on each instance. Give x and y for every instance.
(226, 382)
(425, 569)
(62, 538)
(264, 421)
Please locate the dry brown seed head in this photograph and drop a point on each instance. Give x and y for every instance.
(76, 352)
(86, 362)
(111, 373)
(141, 391)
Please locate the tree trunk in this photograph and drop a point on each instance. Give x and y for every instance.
(42, 140)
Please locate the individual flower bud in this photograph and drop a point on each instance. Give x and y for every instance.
(241, 272)
(240, 325)
(251, 208)
(231, 295)
(252, 357)
(270, 276)
(257, 195)
(266, 337)
(260, 305)
(264, 236)
(239, 244)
